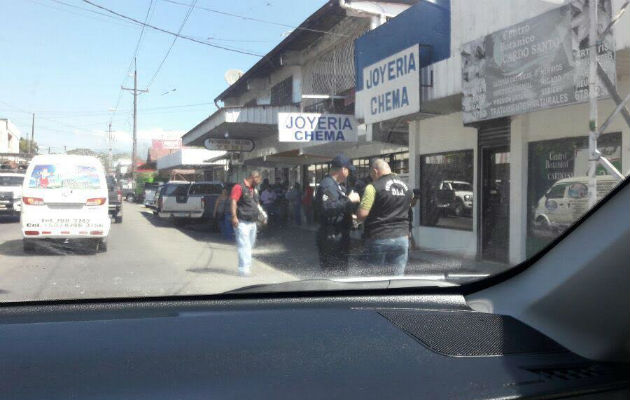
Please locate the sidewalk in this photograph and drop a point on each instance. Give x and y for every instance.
(299, 242)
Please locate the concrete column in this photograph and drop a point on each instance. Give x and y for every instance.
(518, 188)
(414, 166)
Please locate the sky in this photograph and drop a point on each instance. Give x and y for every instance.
(66, 63)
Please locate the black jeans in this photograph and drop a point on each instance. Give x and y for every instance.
(333, 250)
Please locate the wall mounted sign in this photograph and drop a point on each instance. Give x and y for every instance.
(314, 127)
(240, 145)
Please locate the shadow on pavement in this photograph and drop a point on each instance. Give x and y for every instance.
(155, 220)
(15, 248)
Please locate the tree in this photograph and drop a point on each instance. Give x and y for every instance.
(24, 146)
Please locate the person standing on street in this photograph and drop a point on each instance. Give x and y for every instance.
(307, 202)
(385, 210)
(335, 210)
(244, 198)
(295, 199)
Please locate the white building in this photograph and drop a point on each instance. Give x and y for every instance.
(311, 70)
(9, 137)
(509, 161)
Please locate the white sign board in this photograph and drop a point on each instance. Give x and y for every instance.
(314, 127)
(245, 145)
(391, 87)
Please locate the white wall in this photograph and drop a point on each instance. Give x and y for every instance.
(9, 137)
(437, 135)
(564, 122)
(472, 19)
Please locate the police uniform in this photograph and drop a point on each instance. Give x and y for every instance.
(335, 222)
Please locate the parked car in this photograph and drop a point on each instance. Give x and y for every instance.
(151, 191)
(188, 199)
(128, 188)
(115, 199)
(455, 197)
(65, 197)
(11, 192)
(567, 200)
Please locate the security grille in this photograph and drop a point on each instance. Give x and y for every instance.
(332, 72)
(282, 93)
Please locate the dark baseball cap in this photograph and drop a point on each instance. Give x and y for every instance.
(342, 161)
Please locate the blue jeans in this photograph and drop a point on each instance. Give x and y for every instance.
(245, 241)
(388, 253)
(227, 230)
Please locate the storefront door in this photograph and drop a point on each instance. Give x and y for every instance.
(495, 202)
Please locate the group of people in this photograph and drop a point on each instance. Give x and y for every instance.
(282, 203)
(383, 208)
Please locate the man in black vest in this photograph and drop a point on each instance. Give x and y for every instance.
(385, 210)
(335, 209)
(245, 200)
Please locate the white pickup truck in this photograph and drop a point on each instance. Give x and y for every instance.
(180, 199)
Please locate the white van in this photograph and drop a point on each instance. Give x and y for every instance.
(567, 200)
(65, 197)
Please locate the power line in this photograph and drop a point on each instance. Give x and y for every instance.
(231, 49)
(95, 113)
(110, 19)
(257, 19)
(168, 52)
(135, 54)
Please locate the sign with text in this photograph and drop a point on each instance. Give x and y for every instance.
(391, 87)
(241, 145)
(314, 127)
(537, 64)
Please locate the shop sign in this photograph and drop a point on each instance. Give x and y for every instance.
(166, 144)
(537, 64)
(391, 87)
(240, 145)
(314, 127)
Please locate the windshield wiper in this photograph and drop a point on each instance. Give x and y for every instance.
(330, 284)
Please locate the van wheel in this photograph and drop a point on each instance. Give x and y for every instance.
(118, 219)
(29, 246)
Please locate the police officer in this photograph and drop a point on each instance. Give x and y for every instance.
(385, 209)
(335, 209)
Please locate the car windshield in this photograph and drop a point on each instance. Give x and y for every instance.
(462, 186)
(295, 145)
(11, 180)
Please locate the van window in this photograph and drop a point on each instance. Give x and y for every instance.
(206, 188)
(67, 177)
(556, 192)
(11, 180)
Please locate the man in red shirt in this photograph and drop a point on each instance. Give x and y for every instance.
(245, 201)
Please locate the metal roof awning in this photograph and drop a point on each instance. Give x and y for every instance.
(238, 123)
(188, 158)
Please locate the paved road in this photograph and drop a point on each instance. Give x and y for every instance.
(146, 257)
(149, 256)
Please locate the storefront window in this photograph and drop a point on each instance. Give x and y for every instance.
(558, 184)
(446, 192)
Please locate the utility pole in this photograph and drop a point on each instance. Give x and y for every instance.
(110, 158)
(135, 91)
(593, 153)
(31, 145)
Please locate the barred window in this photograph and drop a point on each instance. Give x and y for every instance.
(282, 93)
